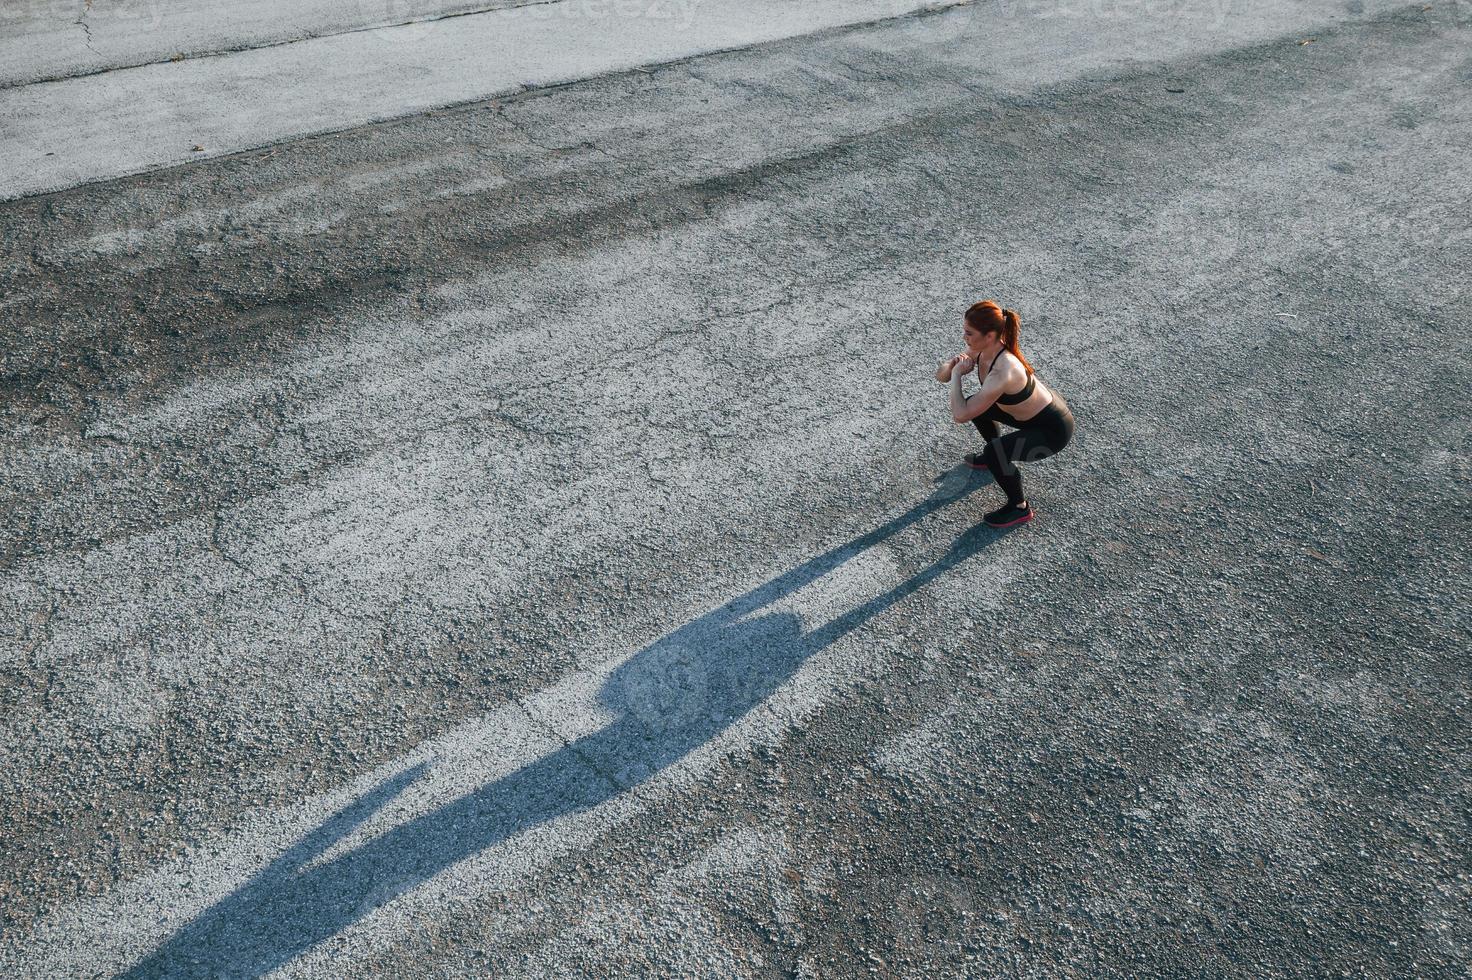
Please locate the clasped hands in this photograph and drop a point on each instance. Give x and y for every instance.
(964, 363)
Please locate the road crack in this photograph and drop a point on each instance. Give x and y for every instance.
(81, 22)
(542, 726)
(217, 548)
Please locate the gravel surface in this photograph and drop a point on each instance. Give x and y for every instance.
(524, 539)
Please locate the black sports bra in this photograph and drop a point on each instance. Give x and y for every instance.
(1017, 397)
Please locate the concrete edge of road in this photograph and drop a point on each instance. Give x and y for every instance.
(76, 131)
(36, 53)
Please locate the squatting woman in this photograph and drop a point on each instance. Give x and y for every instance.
(1010, 395)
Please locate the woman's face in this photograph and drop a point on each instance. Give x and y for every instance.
(975, 339)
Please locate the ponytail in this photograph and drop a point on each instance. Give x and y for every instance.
(1011, 329)
(989, 317)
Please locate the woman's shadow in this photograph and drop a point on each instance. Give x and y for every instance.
(668, 699)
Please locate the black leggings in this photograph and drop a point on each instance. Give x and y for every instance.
(1039, 437)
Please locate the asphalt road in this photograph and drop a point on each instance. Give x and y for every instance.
(524, 539)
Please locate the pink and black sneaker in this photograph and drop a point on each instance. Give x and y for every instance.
(975, 461)
(1009, 516)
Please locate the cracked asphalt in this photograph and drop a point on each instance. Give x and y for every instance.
(524, 539)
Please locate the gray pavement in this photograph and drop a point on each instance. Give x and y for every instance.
(523, 539)
(47, 40)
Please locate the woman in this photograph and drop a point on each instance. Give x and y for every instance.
(1010, 395)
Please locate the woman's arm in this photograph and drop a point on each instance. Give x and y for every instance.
(965, 409)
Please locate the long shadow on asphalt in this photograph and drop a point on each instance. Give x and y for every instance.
(669, 698)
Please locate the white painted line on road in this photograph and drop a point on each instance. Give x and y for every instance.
(59, 134)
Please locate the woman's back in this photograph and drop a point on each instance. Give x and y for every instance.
(1023, 393)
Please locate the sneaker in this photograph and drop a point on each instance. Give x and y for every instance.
(975, 461)
(1009, 516)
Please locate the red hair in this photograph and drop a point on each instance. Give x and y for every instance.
(987, 317)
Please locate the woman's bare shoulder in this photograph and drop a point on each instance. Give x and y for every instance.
(1008, 367)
